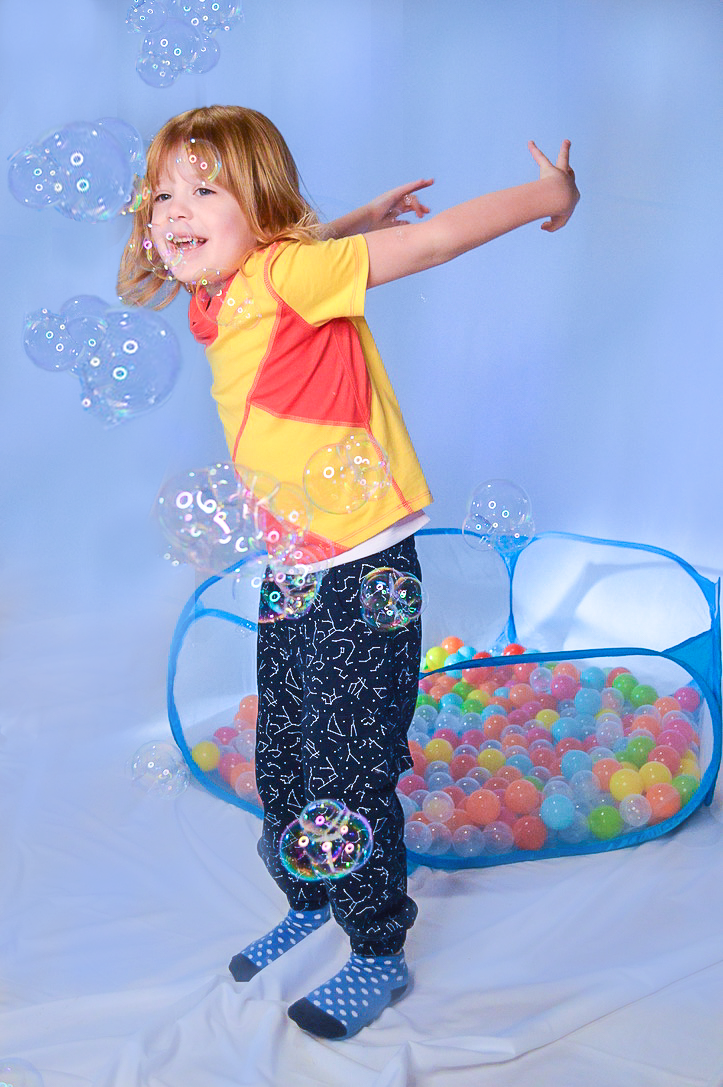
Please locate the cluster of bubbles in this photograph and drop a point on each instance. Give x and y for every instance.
(498, 518)
(390, 600)
(15, 1072)
(227, 756)
(178, 36)
(341, 478)
(127, 361)
(159, 769)
(216, 517)
(527, 757)
(88, 171)
(327, 841)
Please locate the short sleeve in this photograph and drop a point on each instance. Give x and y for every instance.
(322, 280)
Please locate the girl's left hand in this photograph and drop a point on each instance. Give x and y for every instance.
(563, 171)
(384, 210)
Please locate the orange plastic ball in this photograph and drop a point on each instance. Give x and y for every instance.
(483, 806)
(566, 668)
(493, 726)
(521, 694)
(521, 797)
(664, 800)
(458, 818)
(666, 704)
(530, 832)
(514, 649)
(452, 644)
(509, 773)
(603, 770)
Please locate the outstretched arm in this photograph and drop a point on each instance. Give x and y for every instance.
(382, 212)
(397, 253)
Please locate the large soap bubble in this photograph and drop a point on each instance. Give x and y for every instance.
(127, 361)
(85, 170)
(160, 770)
(498, 518)
(178, 36)
(327, 841)
(15, 1072)
(341, 478)
(390, 600)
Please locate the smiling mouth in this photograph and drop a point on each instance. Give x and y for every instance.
(185, 243)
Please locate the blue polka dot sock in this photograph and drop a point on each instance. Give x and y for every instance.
(296, 925)
(354, 997)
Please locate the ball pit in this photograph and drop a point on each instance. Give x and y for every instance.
(580, 771)
(605, 748)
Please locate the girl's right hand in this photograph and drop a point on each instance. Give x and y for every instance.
(384, 210)
(564, 172)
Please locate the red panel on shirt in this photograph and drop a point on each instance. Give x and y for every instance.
(314, 374)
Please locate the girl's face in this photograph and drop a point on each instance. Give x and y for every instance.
(197, 226)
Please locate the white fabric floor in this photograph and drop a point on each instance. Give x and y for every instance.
(120, 912)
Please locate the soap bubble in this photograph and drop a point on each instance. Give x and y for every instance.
(390, 600)
(327, 841)
(98, 175)
(207, 56)
(175, 41)
(498, 518)
(157, 72)
(208, 518)
(159, 769)
(330, 482)
(203, 156)
(35, 178)
(128, 138)
(288, 593)
(368, 463)
(146, 16)
(48, 342)
(134, 368)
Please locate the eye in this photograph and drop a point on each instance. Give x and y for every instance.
(160, 197)
(203, 191)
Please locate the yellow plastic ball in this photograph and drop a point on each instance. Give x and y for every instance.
(491, 759)
(439, 749)
(547, 718)
(435, 658)
(655, 773)
(206, 755)
(690, 766)
(624, 782)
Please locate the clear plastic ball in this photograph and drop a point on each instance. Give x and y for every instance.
(468, 841)
(635, 810)
(417, 836)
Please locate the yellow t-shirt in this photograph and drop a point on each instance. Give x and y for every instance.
(295, 369)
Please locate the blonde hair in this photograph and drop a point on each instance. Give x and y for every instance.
(243, 152)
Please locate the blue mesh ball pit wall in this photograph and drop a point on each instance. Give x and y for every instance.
(693, 660)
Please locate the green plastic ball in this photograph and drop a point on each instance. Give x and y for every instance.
(686, 785)
(462, 688)
(637, 750)
(626, 684)
(642, 695)
(426, 700)
(605, 822)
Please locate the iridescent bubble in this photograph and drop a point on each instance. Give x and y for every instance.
(157, 72)
(129, 140)
(208, 520)
(175, 41)
(369, 464)
(390, 600)
(203, 156)
(207, 56)
(330, 482)
(48, 342)
(15, 1072)
(146, 16)
(498, 518)
(36, 179)
(288, 593)
(159, 769)
(98, 174)
(327, 841)
(134, 368)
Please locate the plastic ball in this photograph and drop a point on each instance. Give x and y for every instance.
(206, 755)
(574, 761)
(664, 799)
(687, 698)
(521, 797)
(667, 755)
(605, 822)
(624, 782)
(468, 841)
(441, 839)
(498, 838)
(417, 837)
(638, 749)
(642, 695)
(557, 812)
(635, 810)
(482, 806)
(686, 785)
(654, 773)
(530, 832)
(439, 749)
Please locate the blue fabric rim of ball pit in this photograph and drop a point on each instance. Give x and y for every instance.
(699, 655)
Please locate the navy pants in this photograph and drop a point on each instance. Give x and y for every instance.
(336, 698)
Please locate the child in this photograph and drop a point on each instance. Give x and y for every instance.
(296, 369)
